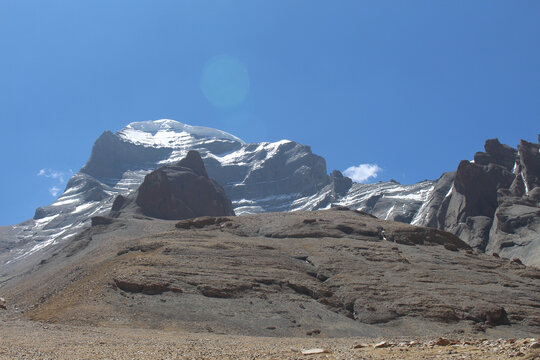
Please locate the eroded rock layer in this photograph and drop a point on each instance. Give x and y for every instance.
(335, 273)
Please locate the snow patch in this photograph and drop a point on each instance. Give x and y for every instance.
(44, 221)
(421, 214)
(84, 207)
(449, 192)
(525, 183)
(389, 212)
(420, 196)
(245, 210)
(67, 201)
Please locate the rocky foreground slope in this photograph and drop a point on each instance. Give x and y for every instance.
(334, 273)
(64, 342)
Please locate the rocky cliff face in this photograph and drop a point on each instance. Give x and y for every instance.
(493, 203)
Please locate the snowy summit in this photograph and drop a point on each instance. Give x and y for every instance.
(169, 133)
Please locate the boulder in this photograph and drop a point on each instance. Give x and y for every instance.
(491, 314)
(101, 220)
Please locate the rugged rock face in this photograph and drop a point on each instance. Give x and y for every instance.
(182, 191)
(494, 204)
(390, 200)
(496, 153)
(341, 184)
(428, 213)
(285, 168)
(112, 156)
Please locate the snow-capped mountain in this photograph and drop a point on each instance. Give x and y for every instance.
(258, 177)
(287, 176)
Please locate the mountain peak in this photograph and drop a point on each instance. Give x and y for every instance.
(194, 162)
(169, 133)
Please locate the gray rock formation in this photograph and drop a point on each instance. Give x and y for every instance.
(494, 202)
(178, 191)
(112, 156)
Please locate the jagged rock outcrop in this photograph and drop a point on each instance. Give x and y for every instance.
(341, 184)
(496, 153)
(180, 191)
(494, 203)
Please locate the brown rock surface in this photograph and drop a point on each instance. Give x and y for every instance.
(275, 274)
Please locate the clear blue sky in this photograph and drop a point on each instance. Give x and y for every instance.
(412, 86)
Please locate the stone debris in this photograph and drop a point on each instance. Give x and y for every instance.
(443, 342)
(90, 342)
(315, 351)
(504, 348)
(358, 345)
(3, 304)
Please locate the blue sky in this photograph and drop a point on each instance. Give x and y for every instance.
(412, 87)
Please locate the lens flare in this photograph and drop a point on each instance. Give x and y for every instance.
(225, 81)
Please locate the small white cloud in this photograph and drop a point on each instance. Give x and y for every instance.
(54, 190)
(61, 176)
(58, 179)
(362, 172)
